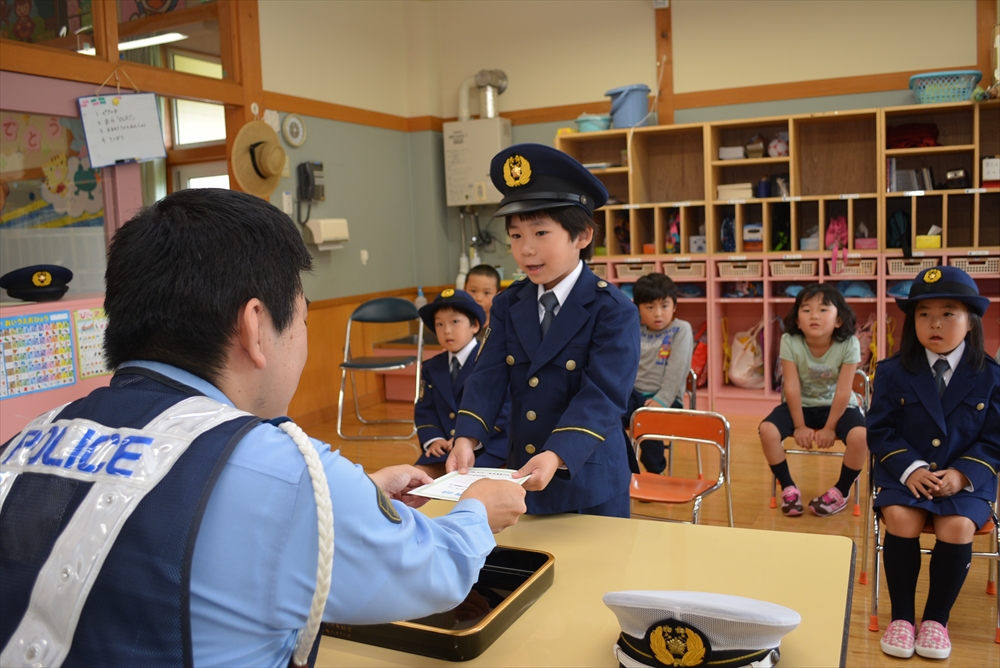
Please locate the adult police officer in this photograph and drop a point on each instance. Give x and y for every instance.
(170, 518)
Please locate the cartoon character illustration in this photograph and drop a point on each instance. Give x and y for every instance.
(25, 26)
(85, 180)
(56, 174)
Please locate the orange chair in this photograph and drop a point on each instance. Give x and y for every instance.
(991, 528)
(861, 388)
(690, 391)
(680, 425)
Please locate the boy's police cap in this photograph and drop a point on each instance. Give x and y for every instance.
(37, 283)
(460, 300)
(945, 283)
(532, 177)
(690, 628)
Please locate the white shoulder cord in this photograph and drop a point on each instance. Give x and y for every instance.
(324, 565)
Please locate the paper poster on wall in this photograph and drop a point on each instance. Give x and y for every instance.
(37, 353)
(89, 325)
(122, 128)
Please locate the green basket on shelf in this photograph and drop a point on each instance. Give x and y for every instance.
(953, 86)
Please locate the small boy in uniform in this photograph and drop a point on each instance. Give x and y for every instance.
(564, 342)
(455, 318)
(483, 283)
(666, 344)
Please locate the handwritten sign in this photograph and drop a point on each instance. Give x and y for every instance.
(121, 128)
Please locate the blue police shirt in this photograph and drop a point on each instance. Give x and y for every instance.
(254, 567)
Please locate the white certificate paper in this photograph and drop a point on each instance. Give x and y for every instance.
(451, 486)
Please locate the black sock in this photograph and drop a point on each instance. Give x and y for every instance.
(847, 478)
(780, 471)
(949, 566)
(901, 557)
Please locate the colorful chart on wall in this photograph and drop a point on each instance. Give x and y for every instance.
(122, 128)
(37, 353)
(89, 325)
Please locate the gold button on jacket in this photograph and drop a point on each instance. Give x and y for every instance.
(570, 365)
(533, 382)
(933, 466)
(530, 449)
(902, 401)
(936, 442)
(530, 415)
(980, 407)
(451, 415)
(510, 360)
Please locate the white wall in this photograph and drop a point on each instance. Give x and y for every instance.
(721, 44)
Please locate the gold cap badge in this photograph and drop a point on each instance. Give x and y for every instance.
(932, 276)
(448, 292)
(516, 171)
(679, 645)
(41, 278)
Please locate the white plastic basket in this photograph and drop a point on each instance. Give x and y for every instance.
(793, 267)
(864, 267)
(976, 265)
(634, 269)
(911, 267)
(600, 270)
(684, 269)
(746, 269)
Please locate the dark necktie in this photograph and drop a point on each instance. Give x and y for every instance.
(549, 303)
(455, 367)
(939, 368)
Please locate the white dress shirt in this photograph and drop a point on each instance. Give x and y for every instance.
(561, 291)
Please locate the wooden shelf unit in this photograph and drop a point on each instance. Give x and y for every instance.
(836, 167)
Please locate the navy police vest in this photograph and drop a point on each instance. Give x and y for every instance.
(100, 505)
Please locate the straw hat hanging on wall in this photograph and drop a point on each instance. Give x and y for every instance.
(258, 159)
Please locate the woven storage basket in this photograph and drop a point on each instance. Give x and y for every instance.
(954, 86)
(862, 267)
(978, 265)
(793, 267)
(904, 267)
(682, 269)
(745, 269)
(600, 270)
(634, 269)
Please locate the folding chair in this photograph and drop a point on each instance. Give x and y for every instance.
(383, 311)
(677, 424)
(994, 566)
(690, 391)
(862, 389)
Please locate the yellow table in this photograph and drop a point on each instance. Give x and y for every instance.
(570, 625)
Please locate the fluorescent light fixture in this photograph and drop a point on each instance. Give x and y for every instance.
(140, 43)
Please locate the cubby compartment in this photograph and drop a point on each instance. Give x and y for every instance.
(940, 162)
(989, 214)
(600, 232)
(645, 240)
(721, 213)
(694, 231)
(596, 148)
(837, 154)
(805, 221)
(989, 128)
(864, 217)
(787, 289)
(856, 289)
(929, 214)
(619, 235)
(959, 228)
(668, 164)
(954, 122)
(616, 181)
(778, 234)
(735, 317)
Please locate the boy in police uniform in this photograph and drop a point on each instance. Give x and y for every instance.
(565, 342)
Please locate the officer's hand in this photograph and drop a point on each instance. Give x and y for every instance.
(462, 457)
(804, 437)
(398, 481)
(439, 447)
(923, 482)
(504, 501)
(825, 438)
(952, 481)
(541, 467)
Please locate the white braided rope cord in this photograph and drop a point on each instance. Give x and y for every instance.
(324, 565)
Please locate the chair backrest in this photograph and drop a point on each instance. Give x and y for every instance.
(863, 388)
(386, 309)
(681, 424)
(691, 389)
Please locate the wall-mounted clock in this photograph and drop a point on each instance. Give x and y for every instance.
(293, 130)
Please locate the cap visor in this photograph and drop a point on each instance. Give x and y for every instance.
(524, 206)
(978, 305)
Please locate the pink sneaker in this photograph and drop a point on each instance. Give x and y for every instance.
(791, 501)
(830, 503)
(898, 639)
(932, 641)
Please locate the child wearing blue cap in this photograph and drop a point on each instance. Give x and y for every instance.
(455, 317)
(934, 432)
(564, 342)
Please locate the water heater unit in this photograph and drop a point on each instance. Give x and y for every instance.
(469, 146)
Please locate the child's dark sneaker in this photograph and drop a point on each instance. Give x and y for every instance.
(932, 641)
(791, 501)
(830, 503)
(898, 639)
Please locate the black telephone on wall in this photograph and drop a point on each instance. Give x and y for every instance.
(311, 184)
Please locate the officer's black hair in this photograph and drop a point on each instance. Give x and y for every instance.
(653, 288)
(180, 271)
(911, 351)
(573, 219)
(473, 320)
(488, 271)
(831, 296)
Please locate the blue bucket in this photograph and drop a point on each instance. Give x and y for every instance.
(629, 105)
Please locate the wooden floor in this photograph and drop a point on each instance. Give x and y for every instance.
(973, 620)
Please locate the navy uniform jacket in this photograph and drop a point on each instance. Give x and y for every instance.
(961, 430)
(438, 404)
(568, 393)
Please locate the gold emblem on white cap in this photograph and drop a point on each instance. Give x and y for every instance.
(932, 276)
(516, 171)
(677, 646)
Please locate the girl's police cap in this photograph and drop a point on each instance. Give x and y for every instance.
(691, 628)
(532, 177)
(945, 283)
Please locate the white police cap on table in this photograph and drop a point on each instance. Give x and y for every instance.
(689, 628)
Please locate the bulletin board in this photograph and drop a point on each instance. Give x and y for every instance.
(37, 353)
(89, 325)
(121, 128)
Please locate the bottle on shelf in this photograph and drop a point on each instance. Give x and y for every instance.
(420, 300)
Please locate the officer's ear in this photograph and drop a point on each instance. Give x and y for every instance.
(252, 323)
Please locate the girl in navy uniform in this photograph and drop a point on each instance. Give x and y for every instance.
(455, 318)
(934, 432)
